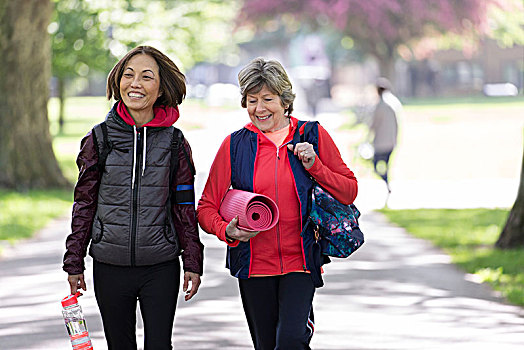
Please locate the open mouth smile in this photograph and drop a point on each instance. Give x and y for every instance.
(135, 95)
(264, 117)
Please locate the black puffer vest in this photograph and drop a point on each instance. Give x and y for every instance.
(133, 224)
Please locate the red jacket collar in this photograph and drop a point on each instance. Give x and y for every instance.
(164, 116)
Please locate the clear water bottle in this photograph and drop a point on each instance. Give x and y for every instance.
(76, 323)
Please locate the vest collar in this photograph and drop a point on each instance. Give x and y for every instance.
(293, 121)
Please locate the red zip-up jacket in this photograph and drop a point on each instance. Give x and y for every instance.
(278, 250)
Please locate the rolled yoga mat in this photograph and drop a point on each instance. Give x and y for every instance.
(255, 212)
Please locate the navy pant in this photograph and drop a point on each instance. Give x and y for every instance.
(117, 289)
(279, 310)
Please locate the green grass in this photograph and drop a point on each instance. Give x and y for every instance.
(468, 236)
(81, 114)
(24, 213)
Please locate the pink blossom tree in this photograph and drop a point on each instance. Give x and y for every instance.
(387, 28)
(378, 27)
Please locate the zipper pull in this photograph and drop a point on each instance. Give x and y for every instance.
(278, 157)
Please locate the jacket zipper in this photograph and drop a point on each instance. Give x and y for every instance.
(134, 222)
(300, 211)
(278, 226)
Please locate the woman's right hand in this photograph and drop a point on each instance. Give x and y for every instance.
(233, 232)
(76, 282)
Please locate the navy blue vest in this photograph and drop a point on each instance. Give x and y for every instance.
(243, 150)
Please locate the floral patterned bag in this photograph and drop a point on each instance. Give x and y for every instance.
(336, 224)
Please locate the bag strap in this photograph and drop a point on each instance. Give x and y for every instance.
(184, 194)
(176, 140)
(176, 143)
(107, 145)
(307, 129)
(297, 137)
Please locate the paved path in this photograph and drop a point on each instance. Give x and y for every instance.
(396, 292)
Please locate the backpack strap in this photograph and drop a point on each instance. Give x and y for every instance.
(184, 194)
(103, 148)
(306, 127)
(297, 137)
(176, 140)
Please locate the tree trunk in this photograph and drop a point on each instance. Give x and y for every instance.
(386, 65)
(61, 101)
(387, 68)
(512, 236)
(26, 153)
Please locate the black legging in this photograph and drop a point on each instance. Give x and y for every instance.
(383, 156)
(117, 289)
(279, 310)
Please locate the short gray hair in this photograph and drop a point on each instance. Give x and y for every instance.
(270, 73)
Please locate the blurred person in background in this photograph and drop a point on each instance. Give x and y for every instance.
(384, 128)
(135, 211)
(274, 267)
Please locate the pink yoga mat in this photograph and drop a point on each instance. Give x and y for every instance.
(255, 212)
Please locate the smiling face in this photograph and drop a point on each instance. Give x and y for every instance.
(140, 85)
(266, 111)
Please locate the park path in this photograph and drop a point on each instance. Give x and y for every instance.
(396, 292)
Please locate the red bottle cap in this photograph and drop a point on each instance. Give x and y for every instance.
(71, 299)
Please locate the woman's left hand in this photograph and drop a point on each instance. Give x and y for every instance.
(195, 283)
(305, 152)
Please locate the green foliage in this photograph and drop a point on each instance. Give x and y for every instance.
(507, 25)
(188, 31)
(80, 41)
(90, 36)
(468, 236)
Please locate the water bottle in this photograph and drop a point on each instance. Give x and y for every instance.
(76, 323)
